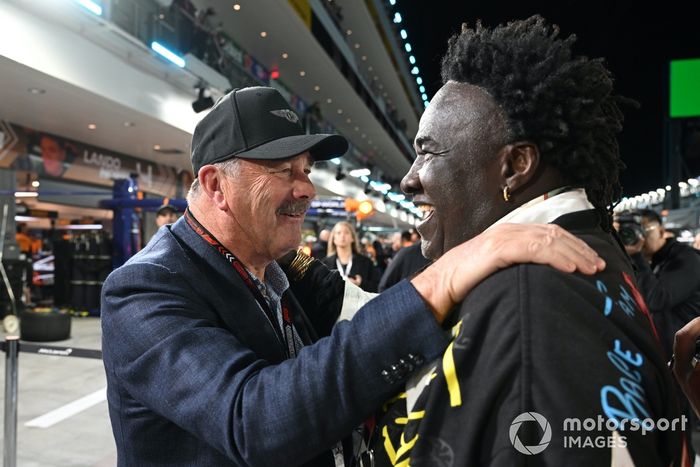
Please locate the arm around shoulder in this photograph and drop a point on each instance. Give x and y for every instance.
(224, 393)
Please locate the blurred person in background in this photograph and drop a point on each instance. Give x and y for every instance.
(696, 243)
(367, 249)
(382, 258)
(27, 243)
(406, 238)
(671, 233)
(668, 273)
(28, 247)
(404, 264)
(400, 240)
(395, 242)
(166, 214)
(320, 249)
(344, 256)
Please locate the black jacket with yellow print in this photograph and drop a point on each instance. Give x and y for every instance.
(545, 368)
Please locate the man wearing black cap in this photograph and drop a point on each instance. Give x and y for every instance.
(166, 214)
(210, 359)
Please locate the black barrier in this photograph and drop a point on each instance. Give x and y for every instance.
(11, 346)
(56, 351)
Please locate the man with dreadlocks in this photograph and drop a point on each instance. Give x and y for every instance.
(544, 368)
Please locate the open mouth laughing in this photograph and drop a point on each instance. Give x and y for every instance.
(426, 209)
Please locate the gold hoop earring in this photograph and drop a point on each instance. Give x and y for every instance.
(506, 193)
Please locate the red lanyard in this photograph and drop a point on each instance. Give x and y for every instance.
(285, 336)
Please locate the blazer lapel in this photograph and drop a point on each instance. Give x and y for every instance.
(233, 302)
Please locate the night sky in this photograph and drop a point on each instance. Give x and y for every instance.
(637, 43)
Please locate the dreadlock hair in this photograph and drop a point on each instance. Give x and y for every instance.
(562, 103)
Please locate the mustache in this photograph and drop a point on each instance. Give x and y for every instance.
(294, 207)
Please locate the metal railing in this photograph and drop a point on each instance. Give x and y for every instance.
(12, 347)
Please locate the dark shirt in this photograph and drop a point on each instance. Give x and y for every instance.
(406, 262)
(361, 265)
(319, 249)
(671, 287)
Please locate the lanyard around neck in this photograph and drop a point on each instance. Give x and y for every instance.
(344, 273)
(286, 336)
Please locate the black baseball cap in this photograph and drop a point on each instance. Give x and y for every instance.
(162, 210)
(257, 123)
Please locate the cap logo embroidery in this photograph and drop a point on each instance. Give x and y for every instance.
(286, 113)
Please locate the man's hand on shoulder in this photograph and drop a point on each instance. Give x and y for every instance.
(449, 279)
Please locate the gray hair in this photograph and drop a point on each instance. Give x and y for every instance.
(228, 167)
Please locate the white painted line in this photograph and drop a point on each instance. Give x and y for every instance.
(68, 410)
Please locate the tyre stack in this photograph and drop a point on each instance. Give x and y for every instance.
(91, 263)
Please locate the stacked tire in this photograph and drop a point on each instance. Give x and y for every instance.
(44, 326)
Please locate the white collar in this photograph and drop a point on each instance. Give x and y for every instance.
(543, 209)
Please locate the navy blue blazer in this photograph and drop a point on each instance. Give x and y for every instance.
(197, 377)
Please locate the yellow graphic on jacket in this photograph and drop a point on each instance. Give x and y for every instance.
(400, 456)
(448, 368)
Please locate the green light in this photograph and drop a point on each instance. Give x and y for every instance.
(685, 88)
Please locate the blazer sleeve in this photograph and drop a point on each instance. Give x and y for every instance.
(163, 342)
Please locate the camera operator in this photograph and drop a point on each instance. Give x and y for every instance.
(668, 273)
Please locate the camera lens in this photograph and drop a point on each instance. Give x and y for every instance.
(628, 236)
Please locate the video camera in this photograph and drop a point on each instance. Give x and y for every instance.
(630, 230)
